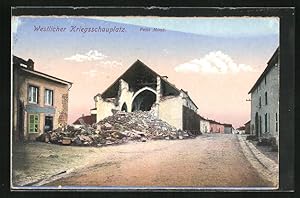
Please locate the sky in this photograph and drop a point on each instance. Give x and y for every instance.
(217, 60)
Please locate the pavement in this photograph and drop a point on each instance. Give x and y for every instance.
(210, 160)
(267, 167)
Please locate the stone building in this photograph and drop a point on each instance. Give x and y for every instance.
(247, 127)
(204, 125)
(228, 128)
(216, 127)
(40, 101)
(141, 88)
(265, 101)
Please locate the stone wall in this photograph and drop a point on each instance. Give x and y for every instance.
(170, 110)
(271, 86)
(204, 126)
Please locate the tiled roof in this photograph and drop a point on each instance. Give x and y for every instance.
(87, 119)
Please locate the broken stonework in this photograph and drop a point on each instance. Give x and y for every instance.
(116, 129)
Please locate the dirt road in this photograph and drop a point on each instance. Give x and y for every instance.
(213, 160)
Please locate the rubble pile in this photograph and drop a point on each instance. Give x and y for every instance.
(116, 129)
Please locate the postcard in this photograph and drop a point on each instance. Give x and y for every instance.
(145, 102)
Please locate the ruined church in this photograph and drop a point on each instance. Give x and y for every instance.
(141, 88)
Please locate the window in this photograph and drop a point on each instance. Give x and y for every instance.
(266, 122)
(276, 121)
(266, 98)
(33, 123)
(259, 102)
(265, 80)
(33, 94)
(48, 97)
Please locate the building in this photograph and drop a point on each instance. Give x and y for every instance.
(85, 120)
(216, 127)
(228, 128)
(241, 130)
(141, 88)
(204, 125)
(265, 101)
(40, 101)
(247, 127)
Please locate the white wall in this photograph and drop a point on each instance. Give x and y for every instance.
(204, 126)
(170, 110)
(125, 96)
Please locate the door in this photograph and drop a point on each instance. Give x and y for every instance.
(48, 123)
(256, 125)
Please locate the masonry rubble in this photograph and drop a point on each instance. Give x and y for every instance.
(119, 128)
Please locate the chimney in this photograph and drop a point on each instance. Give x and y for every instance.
(82, 115)
(165, 77)
(30, 64)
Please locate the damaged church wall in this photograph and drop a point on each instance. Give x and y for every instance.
(141, 89)
(104, 108)
(124, 96)
(170, 110)
(187, 101)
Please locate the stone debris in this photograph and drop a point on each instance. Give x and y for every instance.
(119, 128)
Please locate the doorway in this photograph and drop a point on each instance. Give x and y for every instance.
(143, 101)
(48, 123)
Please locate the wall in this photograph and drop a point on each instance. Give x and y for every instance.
(191, 120)
(216, 128)
(125, 96)
(170, 110)
(204, 126)
(104, 108)
(247, 128)
(59, 110)
(227, 129)
(188, 102)
(272, 88)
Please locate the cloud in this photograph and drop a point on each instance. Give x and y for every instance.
(15, 23)
(214, 62)
(91, 55)
(108, 63)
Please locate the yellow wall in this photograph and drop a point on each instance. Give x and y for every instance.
(170, 110)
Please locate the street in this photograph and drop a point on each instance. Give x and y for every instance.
(210, 160)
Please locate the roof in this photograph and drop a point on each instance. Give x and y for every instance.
(214, 122)
(247, 122)
(152, 71)
(202, 118)
(18, 61)
(87, 119)
(241, 128)
(271, 64)
(227, 125)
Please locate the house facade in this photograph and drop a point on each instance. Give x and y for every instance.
(216, 127)
(141, 88)
(265, 101)
(40, 101)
